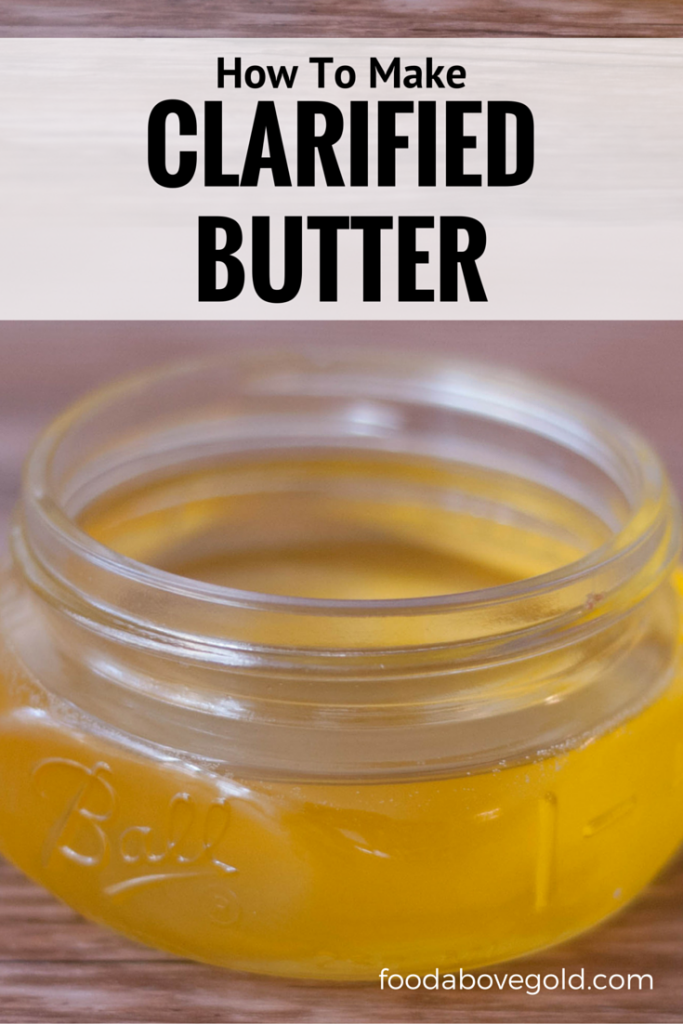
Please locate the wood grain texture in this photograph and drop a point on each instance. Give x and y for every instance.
(389, 18)
(54, 966)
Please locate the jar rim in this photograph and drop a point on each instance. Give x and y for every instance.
(650, 527)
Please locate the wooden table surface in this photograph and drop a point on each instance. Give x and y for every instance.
(351, 18)
(54, 966)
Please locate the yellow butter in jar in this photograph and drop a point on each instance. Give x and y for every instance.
(320, 664)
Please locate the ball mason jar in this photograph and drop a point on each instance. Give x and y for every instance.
(317, 664)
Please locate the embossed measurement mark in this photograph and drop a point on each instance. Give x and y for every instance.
(80, 821)
(609, 817)
(546, 850)
(677, 774)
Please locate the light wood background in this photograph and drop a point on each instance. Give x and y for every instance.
(351, 18)
(54, 966)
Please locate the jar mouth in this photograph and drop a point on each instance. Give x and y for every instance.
(372, 400)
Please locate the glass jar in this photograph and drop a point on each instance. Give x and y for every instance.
(317, 664)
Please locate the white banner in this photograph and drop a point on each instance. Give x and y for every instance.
(566, 153)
